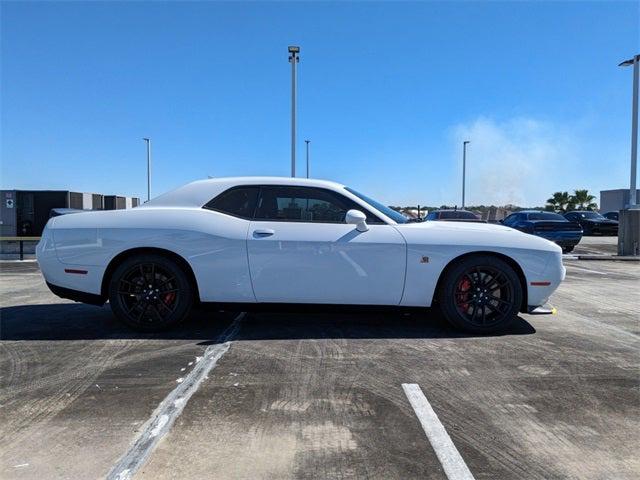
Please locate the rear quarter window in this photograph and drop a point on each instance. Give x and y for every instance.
(238, 202)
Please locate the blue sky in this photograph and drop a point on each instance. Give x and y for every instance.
(387, 93)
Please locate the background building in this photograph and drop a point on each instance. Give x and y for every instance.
(615, 200)
(25, 212)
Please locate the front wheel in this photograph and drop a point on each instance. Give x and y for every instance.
(150, 293)
(567, 249)
(481, 294)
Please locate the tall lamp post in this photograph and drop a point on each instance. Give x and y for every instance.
(464, 167)
(294, 58)
(307, 142)
(634, 128)
(629, 218)
(148, 141)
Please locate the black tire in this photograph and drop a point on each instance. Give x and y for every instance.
(150, 293)
(492, 280)
(568, 249)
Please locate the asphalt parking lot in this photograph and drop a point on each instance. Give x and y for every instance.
(303, 394)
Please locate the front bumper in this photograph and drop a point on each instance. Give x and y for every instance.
(602, 230)
(542, 310)
(540, 288)
(564, 239)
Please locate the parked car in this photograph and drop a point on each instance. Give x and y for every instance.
(612, 215)
(289, 240)
(454, 216)
(593, 223)
(549, 225)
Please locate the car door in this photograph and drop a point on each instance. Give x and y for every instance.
(301, 251)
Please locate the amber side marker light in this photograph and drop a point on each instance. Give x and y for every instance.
(72, 270)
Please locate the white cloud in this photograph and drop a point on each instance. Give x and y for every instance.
(520, 161)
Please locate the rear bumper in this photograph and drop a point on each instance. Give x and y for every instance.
(85, 279)
(76, 295)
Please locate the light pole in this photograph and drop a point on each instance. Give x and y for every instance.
(464, 167)
(634, 128)
(307, 142)
(293, 60)
(148, 141)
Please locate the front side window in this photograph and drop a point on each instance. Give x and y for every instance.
(305, 204)
(509, 220)
(238, 202)
(388, 211)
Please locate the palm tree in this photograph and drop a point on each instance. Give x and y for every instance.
(583, 201)
(560, 201)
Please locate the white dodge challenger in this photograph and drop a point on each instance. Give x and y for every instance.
(287, 240)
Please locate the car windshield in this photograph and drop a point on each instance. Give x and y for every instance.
(458, 214)
(590, 215)
(546, 216)
(389, 212)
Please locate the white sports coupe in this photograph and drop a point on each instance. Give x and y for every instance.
(255, 240)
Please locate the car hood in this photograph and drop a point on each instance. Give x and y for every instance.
(473, 234)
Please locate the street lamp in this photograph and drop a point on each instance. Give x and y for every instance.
(307, 142)
(148, 141)
(464, 166)
(294, 58)
(634, 128)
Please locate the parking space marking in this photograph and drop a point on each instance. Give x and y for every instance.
(587, 269)
(171, 407)
(454, 466)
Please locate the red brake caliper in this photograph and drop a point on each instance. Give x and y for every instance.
(169, 297)
(464, 286)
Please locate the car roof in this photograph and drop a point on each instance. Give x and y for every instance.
(198, 193)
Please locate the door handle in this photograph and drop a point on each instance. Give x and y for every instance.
(263, 232)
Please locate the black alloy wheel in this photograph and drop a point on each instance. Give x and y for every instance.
(481, 294)
(150, 293)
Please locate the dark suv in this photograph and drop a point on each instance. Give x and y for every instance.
(593, 223)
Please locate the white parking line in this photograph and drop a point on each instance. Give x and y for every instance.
(171, 407)
(452, 462)
(586, 269)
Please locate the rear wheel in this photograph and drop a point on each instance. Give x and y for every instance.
(150, 293)
(481, 294)
(567, 249)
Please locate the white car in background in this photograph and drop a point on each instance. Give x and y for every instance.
(288, 240)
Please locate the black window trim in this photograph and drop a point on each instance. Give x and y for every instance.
(261, 186)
